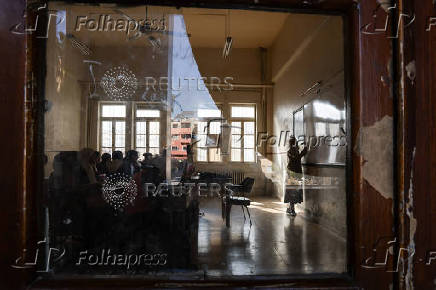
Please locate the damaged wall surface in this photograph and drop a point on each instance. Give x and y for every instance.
(375, 146)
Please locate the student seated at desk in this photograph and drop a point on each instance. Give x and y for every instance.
(149, 174)
(117, 161)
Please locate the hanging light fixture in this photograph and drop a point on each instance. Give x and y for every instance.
(84, 49)
(229, 40)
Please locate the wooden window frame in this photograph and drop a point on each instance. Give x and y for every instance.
(208, 149)
(101, 119)
(370, 215)
(243, 120)
(141, 106)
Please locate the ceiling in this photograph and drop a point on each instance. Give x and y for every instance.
(249, 29)
(207, 27)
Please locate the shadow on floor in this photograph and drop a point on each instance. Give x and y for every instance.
(275, 244)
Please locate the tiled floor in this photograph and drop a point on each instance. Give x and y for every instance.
(275, 244)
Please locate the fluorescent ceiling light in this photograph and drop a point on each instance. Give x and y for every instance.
(227, 46)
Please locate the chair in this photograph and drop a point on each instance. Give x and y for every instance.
(237, 197)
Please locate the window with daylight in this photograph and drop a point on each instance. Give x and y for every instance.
(209, 133)
(243, 133)
(147, 129)
(113, 128)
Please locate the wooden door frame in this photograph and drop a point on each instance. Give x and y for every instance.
(416, 131)
(372, 63)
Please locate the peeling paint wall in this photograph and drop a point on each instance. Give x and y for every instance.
(411, 71)
(375, 146)
(412, 228)
(313, 53)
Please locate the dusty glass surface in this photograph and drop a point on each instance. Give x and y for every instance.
(167, 141)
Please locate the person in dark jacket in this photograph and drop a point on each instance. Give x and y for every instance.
(295, 170)
(130, 163)
(87, 159)
(148, 173)
(144, 202)
(103, 166)
(117, 162)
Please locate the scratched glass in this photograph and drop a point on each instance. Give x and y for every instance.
(160, 118)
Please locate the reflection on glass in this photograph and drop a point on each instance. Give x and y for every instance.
(326, 111)
(61, 25)
(162, 93)
(322, 121)
(190, 96)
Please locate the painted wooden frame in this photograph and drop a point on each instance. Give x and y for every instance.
(383, 99)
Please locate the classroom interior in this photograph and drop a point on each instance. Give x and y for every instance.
(218, 93)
